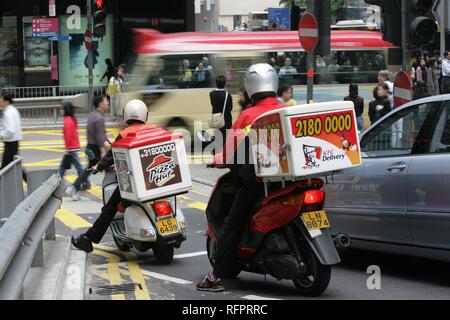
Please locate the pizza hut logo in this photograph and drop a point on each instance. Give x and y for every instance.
(312, 156)
(161, 170)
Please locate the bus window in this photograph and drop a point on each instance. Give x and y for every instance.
(182, 72)
(341, 67)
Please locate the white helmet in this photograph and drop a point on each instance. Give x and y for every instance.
(135, 110)
(261, 77)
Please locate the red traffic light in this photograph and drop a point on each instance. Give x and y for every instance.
(99, 4)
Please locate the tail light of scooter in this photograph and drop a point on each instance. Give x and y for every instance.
(314, 197)
(314, 200)
(162, 209)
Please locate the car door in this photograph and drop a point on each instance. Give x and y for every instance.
(369, 202)
(428, 188)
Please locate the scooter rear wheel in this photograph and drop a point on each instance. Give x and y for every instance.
(164, 254)
(317, 277)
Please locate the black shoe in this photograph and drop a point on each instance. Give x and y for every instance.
(83, 243)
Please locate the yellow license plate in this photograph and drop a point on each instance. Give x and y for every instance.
(167, 226)
(316, 220)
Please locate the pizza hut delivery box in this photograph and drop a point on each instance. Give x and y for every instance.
(151, 164)
(305, 141)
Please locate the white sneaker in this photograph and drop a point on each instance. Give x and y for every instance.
(76, 196)
(69, 191)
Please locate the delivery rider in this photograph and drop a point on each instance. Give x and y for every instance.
(135, 116)
(261, 83)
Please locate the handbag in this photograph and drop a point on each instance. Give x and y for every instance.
(67, 161)
(217, 120)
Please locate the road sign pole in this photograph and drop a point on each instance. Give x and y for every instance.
(310, 80)
(90, 58)
(310, 64)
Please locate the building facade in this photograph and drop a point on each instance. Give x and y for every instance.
(226, 15)
(27, 60)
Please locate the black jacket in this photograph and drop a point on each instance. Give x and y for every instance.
(217, 98)
(375, 115)
(358, 102)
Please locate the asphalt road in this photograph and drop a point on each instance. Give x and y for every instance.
(112, 274)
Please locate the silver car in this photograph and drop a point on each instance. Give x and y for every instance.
(398, 201)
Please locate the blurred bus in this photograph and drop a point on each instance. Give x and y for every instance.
(165, 69)
(258, 21)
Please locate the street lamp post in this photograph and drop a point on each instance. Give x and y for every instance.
(405, 35)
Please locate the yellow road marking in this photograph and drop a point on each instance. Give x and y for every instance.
(134, 272)
(71, 220)
(193, 204)
(113, 271)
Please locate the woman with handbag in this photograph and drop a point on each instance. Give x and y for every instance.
(222, 105)
(115, 93)
(71, 141)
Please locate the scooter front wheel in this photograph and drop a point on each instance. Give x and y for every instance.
(211, 248)
(317, 277)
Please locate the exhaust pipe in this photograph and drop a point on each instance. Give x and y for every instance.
(342, 242)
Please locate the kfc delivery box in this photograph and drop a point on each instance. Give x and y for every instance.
(151, 164)
(305, 141)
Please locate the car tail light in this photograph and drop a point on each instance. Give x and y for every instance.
(162, 208)
(314, 197)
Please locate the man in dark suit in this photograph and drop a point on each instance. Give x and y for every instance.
(218, 102)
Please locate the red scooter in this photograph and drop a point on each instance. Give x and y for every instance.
(288, 236)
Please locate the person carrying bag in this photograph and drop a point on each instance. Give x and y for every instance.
(222, 105)
(217, 120)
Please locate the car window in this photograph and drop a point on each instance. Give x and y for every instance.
(399, 134)
(440, 142)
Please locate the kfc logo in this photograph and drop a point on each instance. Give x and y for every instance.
(161, 170)
(312, 156)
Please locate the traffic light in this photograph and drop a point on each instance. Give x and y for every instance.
(99, 19)
(422, 25)
(295, 17)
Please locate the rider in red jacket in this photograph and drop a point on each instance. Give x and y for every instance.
(261, 82)
(135, 116)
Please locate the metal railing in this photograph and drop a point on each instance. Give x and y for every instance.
(42, 114)
(11, 188)
(51, 91)
(21, 236)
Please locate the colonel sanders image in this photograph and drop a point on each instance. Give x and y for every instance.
(312, 156)
(262, 162)
(161, 170)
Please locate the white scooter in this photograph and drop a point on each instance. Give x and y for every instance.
(158, 225)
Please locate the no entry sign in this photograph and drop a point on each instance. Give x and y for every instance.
(402, 89)
(308, 32)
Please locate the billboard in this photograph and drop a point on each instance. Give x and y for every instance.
(279, 19)
(73, 55)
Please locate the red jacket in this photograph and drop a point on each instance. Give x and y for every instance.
(70, 130)
(242, 127)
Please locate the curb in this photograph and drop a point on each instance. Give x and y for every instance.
(75, 277)
(204, 181)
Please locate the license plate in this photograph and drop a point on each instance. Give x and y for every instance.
(316, 220)
(167, 226)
